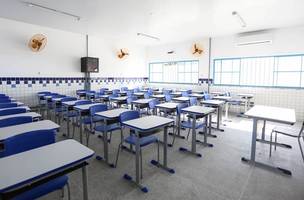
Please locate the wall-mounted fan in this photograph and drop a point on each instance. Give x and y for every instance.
(197, 49)
(122, 53)
(37, 42)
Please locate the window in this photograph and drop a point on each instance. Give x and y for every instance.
(266, 71)
(174, 72)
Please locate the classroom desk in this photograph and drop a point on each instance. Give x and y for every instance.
(139, 94)
(108, 92)
(158, 92)
(109, 115)
(273, 114)
(182, 99)
(218, 93)
(119, 100)
(142, 103)
(176, 94)
(26, 108)
(17, 102)
(122, 93)
(145, 125)
(195, 111)
(198, 96)
(55, 102)
(69, 106)
(34, 115)
(10, 131)
(83, 110)
(218, 105)
(160, 97)
(226, 99)
(25, 170)
(247, 98)
(171, 107)
(104, 97)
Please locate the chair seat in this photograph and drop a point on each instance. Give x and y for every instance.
(197, 116)
(87, 120)
(110, 127)
(188, 124)
(285, 130)
(144, 141)
(43, 189)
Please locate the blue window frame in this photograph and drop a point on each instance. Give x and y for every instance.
(265, 71)
(184, 72)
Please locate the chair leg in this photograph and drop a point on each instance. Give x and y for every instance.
(73, 134)
(157, 151)
(270, 144)
(88, 137)
(301, 149)
(110, 137)
(275, 141)
(188, 133)
(117, 154)
(69, 190)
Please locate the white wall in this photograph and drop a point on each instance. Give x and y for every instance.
(182, 51)
(285, 41)
(110, 65)
(59, 58)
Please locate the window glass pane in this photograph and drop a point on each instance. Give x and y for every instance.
(226, 78)
(288, 79)
(187, 66)
(181, 67)
(302, 79)
(157, 68)
(227, 65)
(194, 77)
(158, 77)
(236, 65)
(289, 63)
(217, 66)
(217, 78)
(188, 78)
(181, 78)
(195, 66)
(235, 79)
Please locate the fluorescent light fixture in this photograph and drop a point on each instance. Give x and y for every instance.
(148, 36)
(29, 4)
(239, 18)
(254, 42)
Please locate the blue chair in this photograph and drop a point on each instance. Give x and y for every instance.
(132, 139)
(115, 92)
(185, 94)
(136, 89)
(152, 105)
(92, 119)
(31, 140)
(207, 97)
(90, 94)
(8, 105)
(147, 95)
(166, 92)
(59, 110)
(130, 93)
(81, 93)
(3, 95)
(15, 121)
(150, 91)
(102, 91)
(5, 100)
(193, 101)
(124, 89)
(76, 114)
(168, 97)
(12, 111)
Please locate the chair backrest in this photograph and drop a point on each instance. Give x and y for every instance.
(98, 108)
(180, 107)
(5, 100)
(166, 92)
(207, 97)
(150, 91)
(12, 111)
(146, 95)
(4, 97)
(27, 141)
(136, 89)
(124, 88)
(102, 91)
(68, 99)
(193, 101)
(130, 99)
(8, 105)
(153, 103)
(128, 115)
(168, 97)
(115, 92)
(129, 93)
(227, 94)
(83, 102)
(15, 121)
(185, 94)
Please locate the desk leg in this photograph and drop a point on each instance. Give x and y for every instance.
(193, 142)
(178, 129)
(85, 183)
(105, 157)
(253, 151)
(205, 133)
(263, 140)
(80, 127)
(219, 119)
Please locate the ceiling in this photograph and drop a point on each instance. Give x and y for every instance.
(170, 20)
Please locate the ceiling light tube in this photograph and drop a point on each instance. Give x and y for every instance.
(148, 36)
(53, 10)
(239, 18)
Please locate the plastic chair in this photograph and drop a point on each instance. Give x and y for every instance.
(8, 105)
(115, 92)
(124, 89)
(12, 111)
(132, 139)
(31, 140)
(15, 121)
(290, 132)
(76, 114)
(185, 94)
(59, 110)
(193, 101)
(146, 95)
(3, 95)
(152, 105)
(5, 100)
(168, 98)
(207, 97)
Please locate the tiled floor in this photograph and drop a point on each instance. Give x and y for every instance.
(218, 175)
